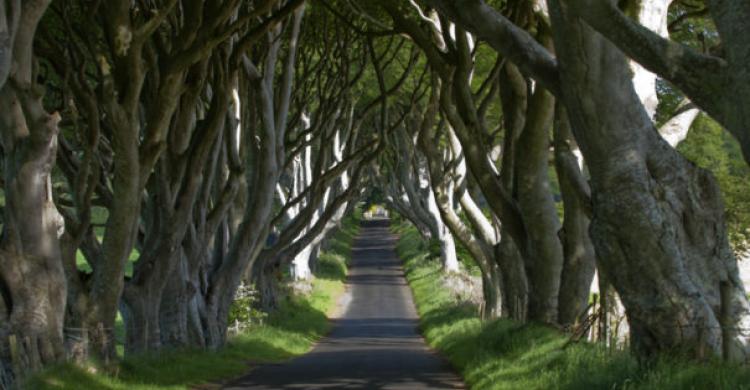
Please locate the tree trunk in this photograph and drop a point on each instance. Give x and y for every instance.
(176, 302)
(119, 237)
(448, 256)
(515, 101)
(479, 245)
(515, 284)
(141, 317)
(76, 336)
(32, 278)
(658, 224)
(315, 255)
(448, 251)
(612, 329)
(301, 269)
(544, 260)
(580, 260)
(492, 292)
(214, 317)
(268, 282)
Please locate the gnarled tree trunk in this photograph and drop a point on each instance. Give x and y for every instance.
(657, 224)
(32, 279)
(31, 273)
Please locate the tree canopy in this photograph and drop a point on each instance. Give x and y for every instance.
(157, 155)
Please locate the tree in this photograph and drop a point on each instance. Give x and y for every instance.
(31, 274)
(717, 82)
(634, 175)
(136, 96)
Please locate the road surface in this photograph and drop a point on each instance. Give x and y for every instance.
(374, 344)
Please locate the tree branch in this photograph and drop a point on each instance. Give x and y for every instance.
(505, 37)
(699, 76)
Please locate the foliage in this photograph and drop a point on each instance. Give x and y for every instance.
(689, 25)
(374, 196)
(244, 311)
(433, 247)
(503, 354)
(290, 331)
(710, 147)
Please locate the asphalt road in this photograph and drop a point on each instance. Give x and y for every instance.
(374, 344)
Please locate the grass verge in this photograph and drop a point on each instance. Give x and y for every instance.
(503, 354)
(288, 332)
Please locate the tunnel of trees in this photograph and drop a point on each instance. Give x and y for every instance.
(158, 154)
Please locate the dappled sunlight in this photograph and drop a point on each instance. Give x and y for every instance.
(183, 183)
(503, 354)
(374, 343)
(289, 331)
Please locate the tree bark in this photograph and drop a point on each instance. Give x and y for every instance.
(720, 85)
(32, 278)
(440, 180)
(657, 222)
(515, 282)
(544, 262)
(580, 259)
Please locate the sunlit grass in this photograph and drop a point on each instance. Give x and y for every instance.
(502, 354)
(99, 219)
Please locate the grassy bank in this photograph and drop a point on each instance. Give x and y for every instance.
(290, 331)
(502, 354)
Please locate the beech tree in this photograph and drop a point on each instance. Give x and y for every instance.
(480, 236)
(323, 186)
(410, 192)
(717, 82)
(712, 308)
(126, 87)
(205, 144)
(530, 252)
(31, 274)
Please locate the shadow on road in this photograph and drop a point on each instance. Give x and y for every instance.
(375, 344)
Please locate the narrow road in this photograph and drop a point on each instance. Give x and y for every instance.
(374, 344)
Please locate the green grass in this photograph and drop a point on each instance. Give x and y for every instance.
(99, 219)
(290, 331)
(503, 354)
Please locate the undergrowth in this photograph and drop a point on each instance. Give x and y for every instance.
(503, 354)
(288, 332)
